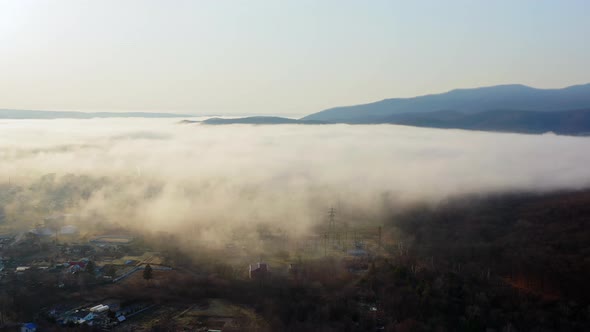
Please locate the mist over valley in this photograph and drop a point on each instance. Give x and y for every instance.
(160, 175)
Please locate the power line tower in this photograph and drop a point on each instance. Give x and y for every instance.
(379, 241)
(332, 224)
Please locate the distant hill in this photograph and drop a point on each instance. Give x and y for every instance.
(505, 108)
(259, 120)
(29, 114)
(575, 122)
(501, 97)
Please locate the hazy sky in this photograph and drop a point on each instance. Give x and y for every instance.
(282, 57)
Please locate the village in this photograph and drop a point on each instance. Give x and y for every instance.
(64, 277)
(366, 277)
(345, 275)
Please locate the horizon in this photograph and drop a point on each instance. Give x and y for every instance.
(288, 115)
(260, 57)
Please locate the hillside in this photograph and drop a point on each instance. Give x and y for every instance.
(502, 97)
(539, 242)
(565, 122)
(259, 120)
(504, 108)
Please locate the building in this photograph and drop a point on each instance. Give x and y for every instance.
(99, 308)
(259, 271)
(28, 327)
(74, 267)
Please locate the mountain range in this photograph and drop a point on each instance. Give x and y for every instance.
(505, 108)
(513, 97)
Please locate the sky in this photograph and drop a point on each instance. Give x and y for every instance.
(279, 57)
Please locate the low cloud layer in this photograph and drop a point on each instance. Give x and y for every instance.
(212, 180)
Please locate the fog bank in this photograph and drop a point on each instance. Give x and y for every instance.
(157, 174)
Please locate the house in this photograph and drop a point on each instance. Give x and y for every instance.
(259, 271)
(76, 266)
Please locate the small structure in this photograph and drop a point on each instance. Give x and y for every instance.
(28, 327)
(74, 267)
(21, 269)
(259, 271)
(99, 308)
